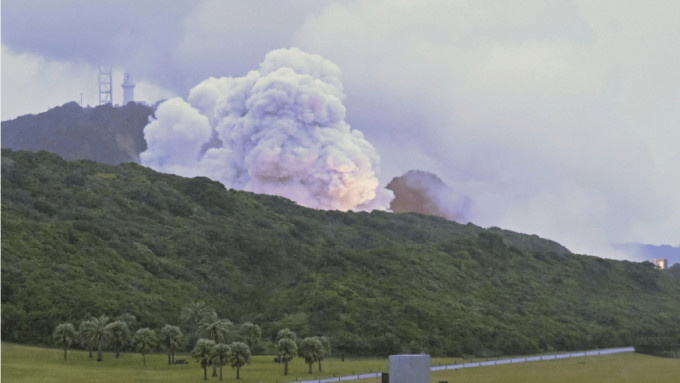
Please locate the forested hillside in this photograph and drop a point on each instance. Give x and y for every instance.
(81, 238)
(104, 133)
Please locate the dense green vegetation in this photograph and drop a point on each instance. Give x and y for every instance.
(83, 239)
(104, 133)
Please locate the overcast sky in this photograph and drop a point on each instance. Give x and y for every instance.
(556, 118)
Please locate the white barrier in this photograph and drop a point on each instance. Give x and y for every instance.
(537, 358)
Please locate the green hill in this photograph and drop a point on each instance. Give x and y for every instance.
(104, 133)
(81, 238)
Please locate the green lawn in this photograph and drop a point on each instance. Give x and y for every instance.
(32, 364)
(617, 368)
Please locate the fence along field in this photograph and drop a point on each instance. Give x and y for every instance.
(485, 363)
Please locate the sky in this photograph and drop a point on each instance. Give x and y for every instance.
(555, 118)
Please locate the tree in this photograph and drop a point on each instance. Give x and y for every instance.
(221, 356)
(95, 333)
(217, 330)
(129, 319)
(64, 335)
(346, 342)
(194, 313)
(171, 340)
(240, 355)
(131, 322)
(84, 341)
(286, 333)
(203, 353)
(250, 334)
(326, 350)
(286, 350)
(144, 341)
(310, 350)
(120, 335)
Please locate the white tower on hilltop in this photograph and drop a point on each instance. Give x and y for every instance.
(128, 88)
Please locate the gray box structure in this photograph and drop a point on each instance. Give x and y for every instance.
(410, 368)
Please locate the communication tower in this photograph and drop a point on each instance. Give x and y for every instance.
(128, 88)
(105, 85)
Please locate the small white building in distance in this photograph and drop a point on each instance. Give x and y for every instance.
(661, 264)
(128, 88)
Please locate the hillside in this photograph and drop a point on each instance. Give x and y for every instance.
(104, 133)
(81, 238)
(649, 252)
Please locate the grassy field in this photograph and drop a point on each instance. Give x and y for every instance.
(31, 364)
(617, 368)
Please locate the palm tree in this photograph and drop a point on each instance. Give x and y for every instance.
(251, 334)
(131, 322)
(217, 330)
(94, 333)
(194, 313)
(310, 350)
(144, 341)
(221, 356)
(171, 339)
(286, 349)
(240, 355)
(120, 335)
(81, 338)
(286, 333)
(64, 335)
(203, 353)
(326, 350)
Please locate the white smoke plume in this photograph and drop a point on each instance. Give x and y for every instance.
(278, 130)
(424, 192)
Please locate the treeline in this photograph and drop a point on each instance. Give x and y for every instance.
(80, 237)
(213, 341)
(103, 133)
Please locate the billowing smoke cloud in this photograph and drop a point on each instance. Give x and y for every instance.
(278, 130)
(423, 192)
(557, 118)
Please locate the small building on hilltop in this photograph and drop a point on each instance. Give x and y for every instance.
(661, 263)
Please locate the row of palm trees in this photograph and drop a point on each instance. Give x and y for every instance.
(207, 352)
(99, 332)
(312, 349)
(210, 349)
(212, 352)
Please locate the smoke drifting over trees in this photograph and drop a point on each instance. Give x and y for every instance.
(423, 192)
(557, 118)
(278, 130)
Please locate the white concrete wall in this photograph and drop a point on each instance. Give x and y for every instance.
(410, 368)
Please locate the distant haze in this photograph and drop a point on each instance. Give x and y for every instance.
(556, 118)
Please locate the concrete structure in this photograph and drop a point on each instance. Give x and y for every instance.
(410, 368)
(661, 264)
(128, 88)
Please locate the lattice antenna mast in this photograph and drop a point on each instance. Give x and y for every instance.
(105, 85)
